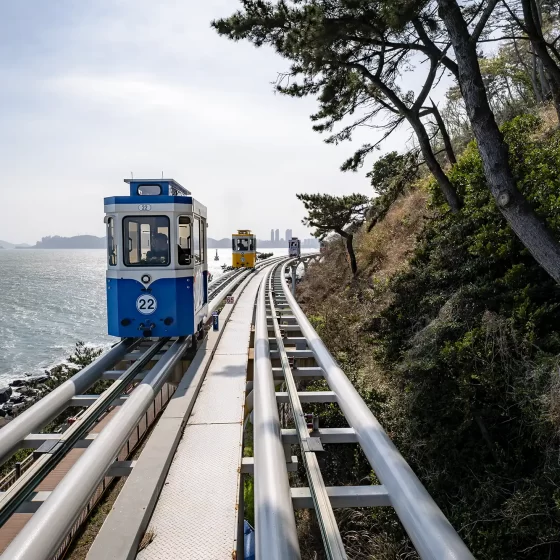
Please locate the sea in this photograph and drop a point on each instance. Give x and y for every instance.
(51, 299)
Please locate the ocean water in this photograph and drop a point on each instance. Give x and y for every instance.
(51, 299)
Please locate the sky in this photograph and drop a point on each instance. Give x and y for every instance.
(93, 90)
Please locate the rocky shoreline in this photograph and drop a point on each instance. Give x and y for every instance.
(23, 392)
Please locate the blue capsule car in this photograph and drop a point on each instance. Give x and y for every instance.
(157, 271)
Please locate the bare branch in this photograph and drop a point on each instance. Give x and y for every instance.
(483, 20)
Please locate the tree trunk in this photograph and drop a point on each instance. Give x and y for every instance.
(444, 134)
(444, 183)
(532, 232)
(538, 88)
(349, 237)
(534, 31)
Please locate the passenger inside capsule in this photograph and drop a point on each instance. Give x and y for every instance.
(160, 249)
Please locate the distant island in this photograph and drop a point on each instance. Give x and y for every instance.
(6, 245)
(76, 242)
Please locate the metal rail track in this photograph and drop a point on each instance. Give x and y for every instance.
(309, 444)
(231, 276)
(58, 449)
(168, 465)
(21, 432)
(282, 324)
(283, 338)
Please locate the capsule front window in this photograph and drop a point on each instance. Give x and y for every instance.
(146, 241)
(244, 244)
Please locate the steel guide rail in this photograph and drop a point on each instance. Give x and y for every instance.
(233, 276)
(46, 530)
(13, 435)
(276, 532)
(430, 532)
(276, 535)
(221, 281)
(52, 404)
(23, 487)
(309, 444)
(123, 529)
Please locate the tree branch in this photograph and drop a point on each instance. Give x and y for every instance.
(483, 20)
(514, 16)
(427, 87)
(433, 49)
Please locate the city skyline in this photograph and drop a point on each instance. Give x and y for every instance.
(275, 235)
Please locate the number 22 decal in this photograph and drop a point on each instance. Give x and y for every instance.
(146, 304)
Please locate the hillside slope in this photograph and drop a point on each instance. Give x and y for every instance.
(451, 333)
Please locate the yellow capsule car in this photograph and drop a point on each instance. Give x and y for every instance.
(244, 249)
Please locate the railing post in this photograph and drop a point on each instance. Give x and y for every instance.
(18, 469)
(294, 269)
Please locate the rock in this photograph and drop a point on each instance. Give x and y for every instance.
(27, 391)
(2, 412)
(17, 399)
(5, 394)
(18, 383)
(39, 379)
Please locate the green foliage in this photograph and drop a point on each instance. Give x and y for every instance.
(83, 356)
(461, 365)
(471, 339)
(339, 214)
(249, 499)
(327, 213)
(390, 176)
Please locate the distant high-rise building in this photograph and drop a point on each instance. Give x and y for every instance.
(288, 234)
(271, 235)
(277, 235)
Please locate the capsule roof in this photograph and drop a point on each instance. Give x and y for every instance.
(168, 187)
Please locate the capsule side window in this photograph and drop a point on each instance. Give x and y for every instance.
(184, 235)
(149, 190)
(202, 240)
(111, 242)
(196, 240)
